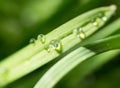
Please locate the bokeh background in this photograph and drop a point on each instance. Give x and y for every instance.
(21, 20)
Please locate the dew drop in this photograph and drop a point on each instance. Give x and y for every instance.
(75, 31)
(102, 16)
(54, 45)
(32, 41)
(57, 45)
(81, 34)
(47, 48)
(41, 38)
(94, 22)
(50, 46)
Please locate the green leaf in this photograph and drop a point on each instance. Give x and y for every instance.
(34, 56)
(89, 66)
(91, 63)
(61, 68)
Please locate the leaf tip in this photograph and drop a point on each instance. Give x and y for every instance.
(113, 7)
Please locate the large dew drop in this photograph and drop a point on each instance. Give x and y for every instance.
(82, 34)
(54, 45)
(102, 16)
(75, 31)
(41, 38)
(94, 22)
(57, 45)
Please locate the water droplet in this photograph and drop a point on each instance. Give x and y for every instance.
(94, 22)
(54, 45)
(75, 31)
(42, 38)
(32, 41)
(81, 34)
(47, 48)
(102, 16)
(57, 45)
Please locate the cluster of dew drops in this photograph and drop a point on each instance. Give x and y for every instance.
(102, 16)
(57, 44)
(53, 45)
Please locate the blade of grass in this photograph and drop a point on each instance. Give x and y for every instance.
(94, 62)
(69, 62)
(66, 28)
(31, 57)
(73, 79)
(108, 30)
